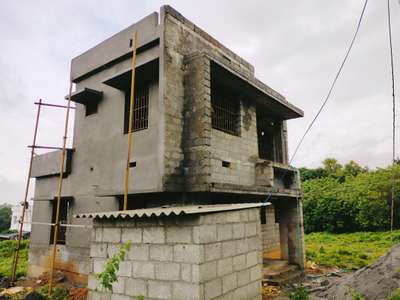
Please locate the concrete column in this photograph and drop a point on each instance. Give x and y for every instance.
(292, 231)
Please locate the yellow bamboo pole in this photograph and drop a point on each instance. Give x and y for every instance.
(131, 111)
(59, 190)
(28, 180)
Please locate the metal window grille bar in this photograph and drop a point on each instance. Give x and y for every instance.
(141, 111)
(225, 114)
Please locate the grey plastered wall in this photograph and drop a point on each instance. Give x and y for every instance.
(207, 256)
(100, 147)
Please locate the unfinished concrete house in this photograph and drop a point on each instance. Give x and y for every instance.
(206, 132)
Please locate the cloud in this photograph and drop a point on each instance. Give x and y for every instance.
(295, 46)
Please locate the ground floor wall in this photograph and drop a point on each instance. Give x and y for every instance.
(270, 234)
(72, 261)
(207, 256)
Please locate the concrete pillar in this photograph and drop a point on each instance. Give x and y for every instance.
(292, 231)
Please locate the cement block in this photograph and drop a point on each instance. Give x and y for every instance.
(189, 253)
(243, 277)
(239, 262)
(139, 252)
(98, 234)
(125, 269)
(159, 290)
(238, 230)
(112, 249)
(167, 271)
(228, 248)
(242, 246)
(213, 288)
(135, 287)
(119, 297)
(205, 234)
(252, 258)
(179, 234)
(112, 235)
(98, 250)
(118, 286)
(224, 232)
(161, 252)
(204, 272)
(98, 265)
(212, 251)
(132, 234)
(186, 272)
(251, 229)
(186, 291)
(143, 270)
(153, 235)
(224, 266)
(256, 273)
(229, 282)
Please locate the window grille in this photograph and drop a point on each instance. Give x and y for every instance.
(225, 113)
(140, 119)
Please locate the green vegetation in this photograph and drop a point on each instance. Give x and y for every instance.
(349, 198)
(5, 218)
(300, 293)
(59, 293)
(7, 254)
(348, 250)
(109, 274)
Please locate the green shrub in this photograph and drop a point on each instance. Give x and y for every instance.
(300, 293)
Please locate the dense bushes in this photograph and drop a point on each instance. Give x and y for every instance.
(348, 198)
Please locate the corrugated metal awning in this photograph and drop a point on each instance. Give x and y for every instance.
(169, 211)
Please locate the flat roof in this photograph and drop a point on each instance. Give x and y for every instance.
(169, 211)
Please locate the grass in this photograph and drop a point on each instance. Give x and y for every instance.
(7, 254)
(348, 250)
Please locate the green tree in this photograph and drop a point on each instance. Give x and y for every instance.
(5, 218)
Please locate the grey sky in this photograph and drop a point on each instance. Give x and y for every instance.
(295, 46)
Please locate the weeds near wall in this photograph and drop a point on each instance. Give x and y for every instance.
(109, 274)
(300, 293)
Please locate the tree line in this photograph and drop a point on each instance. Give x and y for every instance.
(350, 197)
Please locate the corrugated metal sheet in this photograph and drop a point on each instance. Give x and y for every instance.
(169, 211)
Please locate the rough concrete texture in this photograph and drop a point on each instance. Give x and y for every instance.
(183, 257)
(377, 281)
(270, 233)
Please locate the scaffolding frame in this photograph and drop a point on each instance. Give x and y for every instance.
(25, 202)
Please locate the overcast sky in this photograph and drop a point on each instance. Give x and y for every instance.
(295, 46)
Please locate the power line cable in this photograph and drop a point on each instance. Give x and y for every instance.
(329, 92)
(393, 114)
(332, 85)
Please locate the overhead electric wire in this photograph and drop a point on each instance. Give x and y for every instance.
(333, 83)
(329, 92)
(393, 115)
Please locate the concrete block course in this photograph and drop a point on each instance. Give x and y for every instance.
(186, 262)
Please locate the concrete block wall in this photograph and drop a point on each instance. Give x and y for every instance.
(181, 40)
(209, 256)
(270, 231)
(241, 151)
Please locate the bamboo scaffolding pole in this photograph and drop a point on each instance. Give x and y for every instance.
(131, 111)
(59, 190)
(28, 180)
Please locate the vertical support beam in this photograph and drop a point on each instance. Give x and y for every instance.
(59, 190)
(28, 180)
(131, 111)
